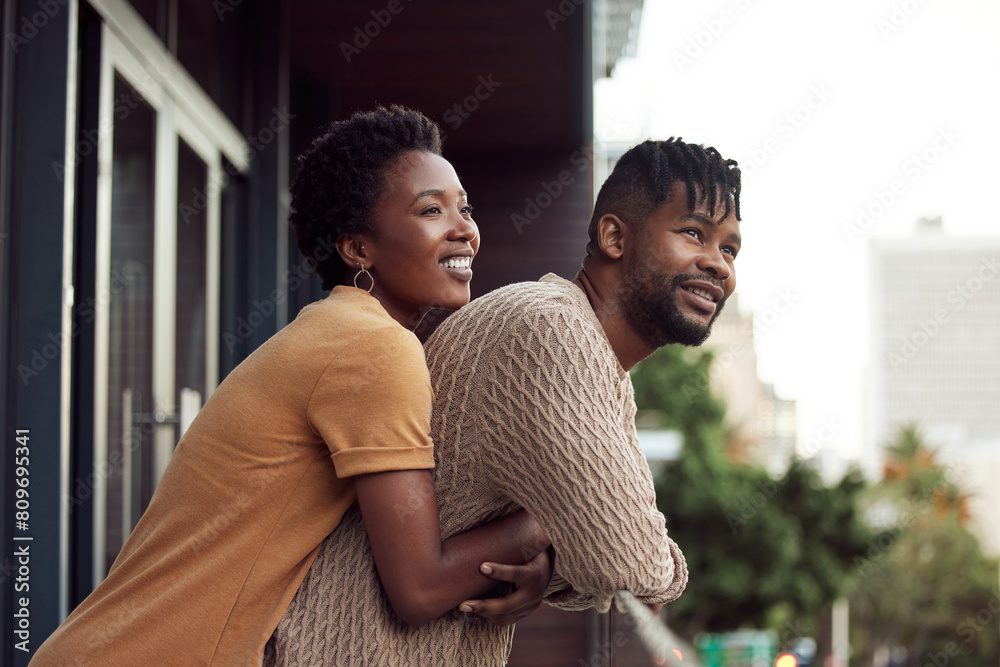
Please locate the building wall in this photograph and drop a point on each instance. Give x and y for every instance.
(33, 205)
(49, 185)
(935, 337)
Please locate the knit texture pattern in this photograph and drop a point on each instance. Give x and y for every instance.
(531, 409)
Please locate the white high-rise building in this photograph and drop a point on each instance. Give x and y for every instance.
(935, 340)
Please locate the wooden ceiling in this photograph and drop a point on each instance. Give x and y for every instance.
(431, 54)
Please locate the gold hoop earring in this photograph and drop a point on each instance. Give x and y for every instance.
(370, 277)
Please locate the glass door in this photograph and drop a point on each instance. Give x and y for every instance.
(129, 299)
(157, 282)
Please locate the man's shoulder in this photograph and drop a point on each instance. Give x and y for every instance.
(549, 293)
(551, 312)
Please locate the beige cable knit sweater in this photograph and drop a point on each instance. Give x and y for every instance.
(531, 409)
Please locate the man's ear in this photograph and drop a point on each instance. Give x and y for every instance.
(612, 234)
(353, 251)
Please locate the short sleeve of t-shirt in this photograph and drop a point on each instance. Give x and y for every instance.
(372, 405)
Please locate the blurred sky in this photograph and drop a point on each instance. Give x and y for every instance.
(884, 80)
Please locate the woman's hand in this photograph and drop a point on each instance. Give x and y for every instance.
(424, 577)
(531, 580)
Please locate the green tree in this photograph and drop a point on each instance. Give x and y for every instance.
(924, 585)
(761, 552)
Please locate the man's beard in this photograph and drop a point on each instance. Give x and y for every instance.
(650, 307)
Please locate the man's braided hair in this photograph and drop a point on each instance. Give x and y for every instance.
(643, 177)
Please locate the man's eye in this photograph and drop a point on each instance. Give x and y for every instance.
(467, 209)
(730, 250)
(693, 232)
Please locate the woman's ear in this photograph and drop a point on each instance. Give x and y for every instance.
(352, 250)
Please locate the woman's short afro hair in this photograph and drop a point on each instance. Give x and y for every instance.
(341, 176)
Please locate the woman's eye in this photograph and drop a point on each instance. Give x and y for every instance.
(467, 209)
(432, 209)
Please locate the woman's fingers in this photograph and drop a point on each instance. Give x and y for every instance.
(503, 611)
(536, 569)
(530, 580)
(501, 572)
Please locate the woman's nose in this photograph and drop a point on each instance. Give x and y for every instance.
(465, 229)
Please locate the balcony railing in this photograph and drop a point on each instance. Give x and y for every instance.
(661, 644)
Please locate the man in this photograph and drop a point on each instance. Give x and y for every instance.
(534, 408)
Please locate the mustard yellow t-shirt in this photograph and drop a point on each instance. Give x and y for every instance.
(262, 476)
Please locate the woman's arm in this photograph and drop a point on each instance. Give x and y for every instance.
(424, 576)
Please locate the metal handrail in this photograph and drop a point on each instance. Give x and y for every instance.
(657, 638)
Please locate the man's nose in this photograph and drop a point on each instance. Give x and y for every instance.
(713, 261)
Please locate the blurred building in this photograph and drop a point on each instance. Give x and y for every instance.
(935, 340)
(660, 446)
(763, 426)
(777, 430)
(145, 153)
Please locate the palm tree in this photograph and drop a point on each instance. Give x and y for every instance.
(926, 573)
(912, 475)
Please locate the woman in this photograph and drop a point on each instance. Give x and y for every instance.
(335, 407)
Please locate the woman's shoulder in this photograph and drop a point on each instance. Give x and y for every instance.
(350, 327)
(349, 312)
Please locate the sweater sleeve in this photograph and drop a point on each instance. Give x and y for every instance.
(553, 420)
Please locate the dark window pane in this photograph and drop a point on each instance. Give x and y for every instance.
(199, 32)
(155, 13)
(192, 254)
(130, 304)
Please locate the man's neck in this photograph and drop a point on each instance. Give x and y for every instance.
(628, 347)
